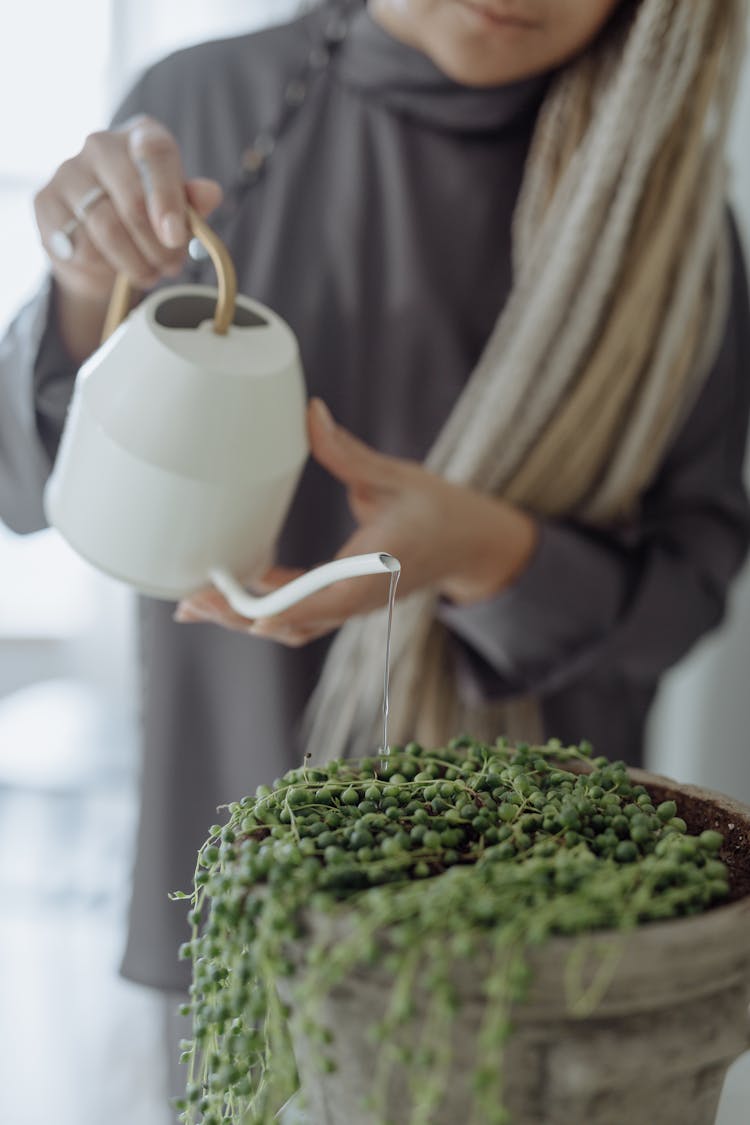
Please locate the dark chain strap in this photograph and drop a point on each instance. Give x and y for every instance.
(255, 158)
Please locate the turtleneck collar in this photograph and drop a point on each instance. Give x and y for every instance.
(408, 82)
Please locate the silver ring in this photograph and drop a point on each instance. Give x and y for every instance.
(60, 241)
(87, 201)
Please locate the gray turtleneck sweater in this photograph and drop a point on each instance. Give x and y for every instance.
(380, 230)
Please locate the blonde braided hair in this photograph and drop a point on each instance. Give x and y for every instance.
(619, 298)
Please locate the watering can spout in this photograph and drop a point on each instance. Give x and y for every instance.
(379, 562)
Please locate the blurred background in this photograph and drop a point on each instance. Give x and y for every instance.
(77, 1044)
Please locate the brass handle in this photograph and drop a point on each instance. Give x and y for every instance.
(120, 301)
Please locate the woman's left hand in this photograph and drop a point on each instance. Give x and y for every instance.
(463, 544)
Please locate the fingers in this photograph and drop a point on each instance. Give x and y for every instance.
(154, 152)
(347, 458)
(330, 609)
(116, 228)
(210, 606)
(204, 195)
(138, 226)
(190, 612)
(101, 245)
(88, 273)
(275, 577)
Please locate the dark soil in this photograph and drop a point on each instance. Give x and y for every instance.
(701, 813)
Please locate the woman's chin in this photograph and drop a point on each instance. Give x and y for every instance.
(471, 67)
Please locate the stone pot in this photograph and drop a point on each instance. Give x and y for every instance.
(655, 1049)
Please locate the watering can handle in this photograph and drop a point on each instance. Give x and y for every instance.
(119, 302)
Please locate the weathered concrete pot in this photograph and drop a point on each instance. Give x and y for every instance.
(654, 1051)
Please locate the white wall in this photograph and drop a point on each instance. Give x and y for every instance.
(144, 30)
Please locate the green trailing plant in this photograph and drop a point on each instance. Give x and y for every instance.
(429, 855)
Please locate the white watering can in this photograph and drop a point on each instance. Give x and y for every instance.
(184, 443)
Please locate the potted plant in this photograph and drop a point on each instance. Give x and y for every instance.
(473, 933)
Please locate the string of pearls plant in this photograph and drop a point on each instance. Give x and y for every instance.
(429, 855)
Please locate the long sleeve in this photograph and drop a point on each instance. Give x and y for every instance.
(630, 603)
(36, 381)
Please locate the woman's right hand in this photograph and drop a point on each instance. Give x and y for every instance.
(138, 227)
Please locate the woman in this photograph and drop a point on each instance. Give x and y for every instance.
(497, 229)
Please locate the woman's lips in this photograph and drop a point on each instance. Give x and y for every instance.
(495, 17)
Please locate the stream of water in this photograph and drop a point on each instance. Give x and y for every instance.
(394, 577)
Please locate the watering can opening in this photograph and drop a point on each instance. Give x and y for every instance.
(191, 310)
